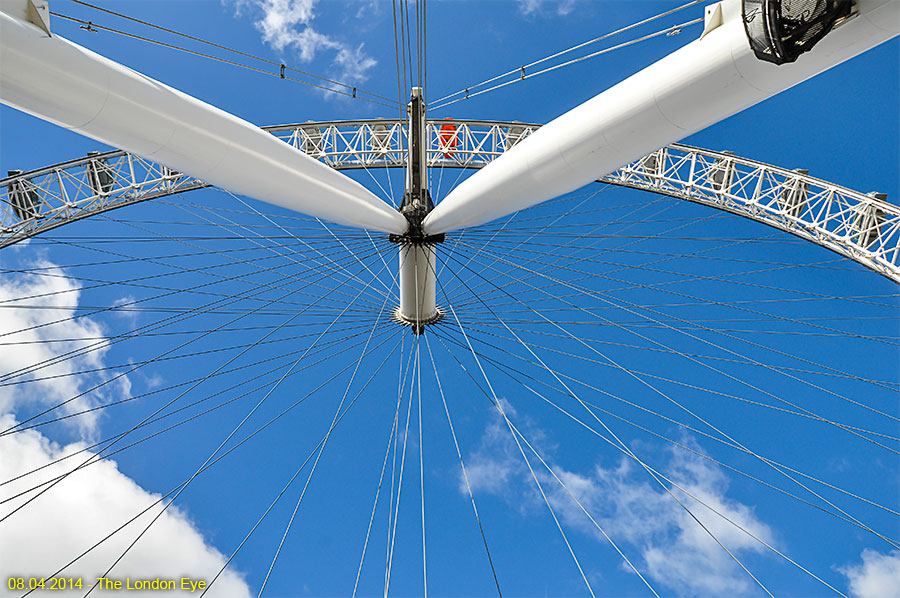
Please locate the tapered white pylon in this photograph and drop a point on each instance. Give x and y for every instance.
(701, 84)
(59, 81)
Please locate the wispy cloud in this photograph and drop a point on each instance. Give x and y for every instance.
(539, 7)
(657, 534)
(877, 576)
(52, 296)
(288, 26)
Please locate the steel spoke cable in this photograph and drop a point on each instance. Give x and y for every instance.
(218, 349)
(302, 242)
(125, 305)
(692, 277)
(628, 451)
(421, 461)
(503, 367)
(404, 18)
(155, 334)
(390, 562)
(521, 69)
(266, 247)
(462, 466)
(774, 239)
(101, 457)
(321, 449)
(71, 266)
(212, 463)
(425, 47)
(305, 224)
(600, 226)
(103, 283)
(325, 226)
(665, 379)
(402, 376)
(525, 241)
(676, 485)
(110, 341)
(496, 403)
(736, 379)
(130, 334)
(721, 278)
(418, 381)
(19, 424)
(354, 233)
(517, 432)
(324, 347)
(472, 303)
(803, 486)
(400, 90)
(510, 371)
(387, 452)
(120, 306)
(365, 266)
(659, 476)
(707, 423)
(633, 310)
(215, 452)
(133, 428)
(135, 302)
(297, 473)
(243, 368)
(550, 224)
(554, 223)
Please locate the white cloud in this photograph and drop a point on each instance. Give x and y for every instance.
(878, 576)
(28, 302)
(68, 519)
(657, 534)
(287, 25)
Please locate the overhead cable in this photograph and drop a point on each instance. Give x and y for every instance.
(673, 30)
(351, 90)
(520, 71)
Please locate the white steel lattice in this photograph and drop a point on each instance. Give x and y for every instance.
(863, 227)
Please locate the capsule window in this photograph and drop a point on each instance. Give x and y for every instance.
(23, 197)
(867, 223)
(721, 174)
(794, 195)
(779, 31)
(100, 175)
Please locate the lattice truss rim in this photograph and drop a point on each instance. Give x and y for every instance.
(863, 227)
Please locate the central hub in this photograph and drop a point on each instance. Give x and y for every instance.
(418, 259)
(418, 279)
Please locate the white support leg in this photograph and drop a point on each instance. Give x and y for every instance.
(418, 263)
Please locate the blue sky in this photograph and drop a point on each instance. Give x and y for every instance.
(767, 319)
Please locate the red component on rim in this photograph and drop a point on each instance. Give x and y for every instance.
(448, 138)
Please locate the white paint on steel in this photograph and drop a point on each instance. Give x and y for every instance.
(418, 270)
(64, 83)
(418, 265)
(701, 84)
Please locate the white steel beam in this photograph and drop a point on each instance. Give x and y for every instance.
(64, 83)
(701, 84)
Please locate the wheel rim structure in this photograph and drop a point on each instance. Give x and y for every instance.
(618, 390)
(861, 226)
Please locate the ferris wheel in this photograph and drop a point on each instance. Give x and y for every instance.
(406, 354)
